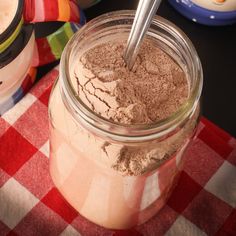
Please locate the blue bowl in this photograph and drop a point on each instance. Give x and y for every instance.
(202, 15)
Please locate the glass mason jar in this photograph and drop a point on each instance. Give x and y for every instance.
(85, 147)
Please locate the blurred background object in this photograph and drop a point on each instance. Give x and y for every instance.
(207, 12)
(87, 3)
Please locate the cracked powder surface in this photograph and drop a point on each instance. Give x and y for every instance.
(153, 90)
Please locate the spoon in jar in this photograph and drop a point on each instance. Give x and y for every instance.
(142, 21)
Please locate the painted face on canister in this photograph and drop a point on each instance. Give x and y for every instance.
(217, 5)
(7, 12)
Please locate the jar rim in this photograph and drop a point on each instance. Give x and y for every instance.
(117, 131)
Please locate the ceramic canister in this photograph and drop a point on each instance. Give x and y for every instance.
(20, 52)
(207, 12)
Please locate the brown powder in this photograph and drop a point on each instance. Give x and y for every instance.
(154, 89)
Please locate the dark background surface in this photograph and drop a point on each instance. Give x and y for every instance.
(216, 47)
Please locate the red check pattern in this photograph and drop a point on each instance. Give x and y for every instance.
(204, 202)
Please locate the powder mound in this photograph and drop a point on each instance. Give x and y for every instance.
(154, 89)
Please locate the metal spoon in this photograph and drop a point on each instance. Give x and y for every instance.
(143, 18)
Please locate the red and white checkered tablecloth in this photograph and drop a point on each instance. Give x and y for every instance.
(204, 202)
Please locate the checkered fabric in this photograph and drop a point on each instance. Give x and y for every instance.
(204, 202)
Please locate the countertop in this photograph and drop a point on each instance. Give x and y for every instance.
(216, 47)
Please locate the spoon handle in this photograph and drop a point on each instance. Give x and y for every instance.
(143, 18)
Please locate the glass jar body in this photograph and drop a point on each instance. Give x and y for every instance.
(95, 163)
(81, 170)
